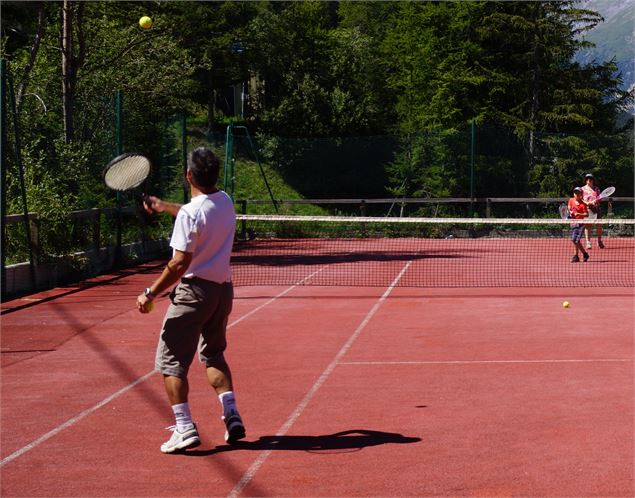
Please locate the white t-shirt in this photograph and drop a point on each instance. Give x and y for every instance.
(205, 227)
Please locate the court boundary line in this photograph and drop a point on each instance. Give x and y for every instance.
(72, 421)
(253, 469)
(277, 296)
(488, 362)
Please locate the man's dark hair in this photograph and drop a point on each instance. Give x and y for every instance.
(204, 166)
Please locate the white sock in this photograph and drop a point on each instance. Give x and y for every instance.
(228, 401)
(183, 417)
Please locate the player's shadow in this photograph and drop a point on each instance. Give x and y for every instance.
(351, 440)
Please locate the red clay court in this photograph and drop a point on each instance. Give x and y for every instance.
(345, 391)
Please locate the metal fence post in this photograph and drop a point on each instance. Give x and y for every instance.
(243, 223)
(184, 154)
(97, 231)
(119, 104)
(18, 160)
(472, 149)
(3, 166)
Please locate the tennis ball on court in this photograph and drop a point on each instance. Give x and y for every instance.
(145, 22)
(565, 304)
(149, 306)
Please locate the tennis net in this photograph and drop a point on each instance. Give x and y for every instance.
(428, 252)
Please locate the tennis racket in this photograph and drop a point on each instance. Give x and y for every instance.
(564, 211)
(128, 171)
(607, 192)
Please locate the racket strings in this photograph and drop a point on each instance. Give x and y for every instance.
(607, 192)
(127, 173)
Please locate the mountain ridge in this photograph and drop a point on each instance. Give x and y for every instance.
(614, 38)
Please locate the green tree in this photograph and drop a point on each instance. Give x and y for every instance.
(431, 64)
(506, 64)
(63, 163)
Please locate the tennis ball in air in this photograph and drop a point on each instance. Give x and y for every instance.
(565, 304)
(145, 22)
(149, 306)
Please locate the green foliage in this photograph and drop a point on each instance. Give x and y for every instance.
(565, 159)
(427, 165)
(318, 80)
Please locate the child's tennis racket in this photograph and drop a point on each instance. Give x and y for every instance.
(607, 192)
(564, 211)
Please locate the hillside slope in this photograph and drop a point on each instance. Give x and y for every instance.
(615, 37)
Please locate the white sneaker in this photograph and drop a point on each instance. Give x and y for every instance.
(235, 428)
(181, 440)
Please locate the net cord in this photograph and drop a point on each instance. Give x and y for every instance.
(433, 221)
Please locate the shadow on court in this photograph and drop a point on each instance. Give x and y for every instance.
(351, 440)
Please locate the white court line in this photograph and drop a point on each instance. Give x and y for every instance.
(485, 362)
(274, 298)
(253, 469)
(72, 421)
(123, 390)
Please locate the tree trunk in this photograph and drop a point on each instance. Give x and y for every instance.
(71, 62)
(67, 70)
(211, 100)
(33, 55)
(536, 77)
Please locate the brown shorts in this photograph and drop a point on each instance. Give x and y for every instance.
(196, 318)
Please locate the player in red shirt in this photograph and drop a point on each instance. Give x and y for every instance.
(578, 210)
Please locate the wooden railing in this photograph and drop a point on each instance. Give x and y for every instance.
(87, 214)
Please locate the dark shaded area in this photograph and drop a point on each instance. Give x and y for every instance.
(354, 440)
(334, 258)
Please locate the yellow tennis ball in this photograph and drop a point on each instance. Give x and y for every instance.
(145, 22)
(565, 304)
(149, 306)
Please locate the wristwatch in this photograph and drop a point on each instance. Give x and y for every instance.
(148, 294)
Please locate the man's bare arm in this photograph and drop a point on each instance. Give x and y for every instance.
(153, 204)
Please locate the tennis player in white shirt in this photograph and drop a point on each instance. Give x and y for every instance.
(197, 316)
